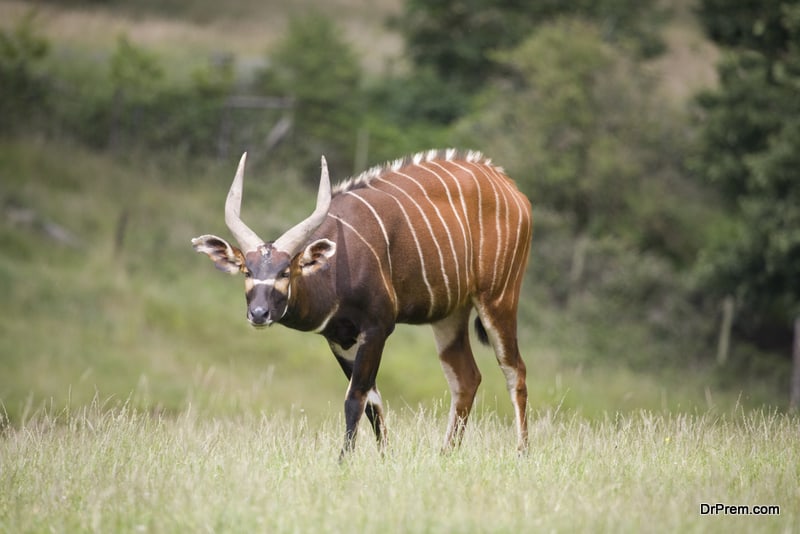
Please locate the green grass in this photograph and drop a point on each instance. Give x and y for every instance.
(152, 323)
(204, 424)
(121, 470)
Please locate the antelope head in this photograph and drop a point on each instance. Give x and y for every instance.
(268, 265)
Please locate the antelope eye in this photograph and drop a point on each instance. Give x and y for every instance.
(285, 274)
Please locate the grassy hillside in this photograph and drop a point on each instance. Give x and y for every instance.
(105, 298)
(134, 396)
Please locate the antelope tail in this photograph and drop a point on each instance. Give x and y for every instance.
(480, 331)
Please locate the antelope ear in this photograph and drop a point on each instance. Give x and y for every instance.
(226, 258)
(316, 255)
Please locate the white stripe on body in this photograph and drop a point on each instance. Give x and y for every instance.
(463, 287)
(501, 245)
(466, 228)
(524, 219)
(327, 319)
(433, 237)
(380, 223)
(388, 286)
(482, 268)
(423, 269)
(449, 238)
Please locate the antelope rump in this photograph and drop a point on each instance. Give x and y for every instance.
(421, 240)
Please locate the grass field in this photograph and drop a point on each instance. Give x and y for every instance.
(151, 321)
(119, 470)
(186, 34)
(134, 397)
(203, 424)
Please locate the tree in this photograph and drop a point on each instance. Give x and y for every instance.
(750, 151)
(23, 92)
(316, 67)
(457, 38)
(577, 127)
(748, 25)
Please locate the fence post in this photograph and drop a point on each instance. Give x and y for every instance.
(794, 395)
(724, 342)
(577, 266)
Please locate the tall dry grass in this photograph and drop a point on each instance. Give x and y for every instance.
(100, 470)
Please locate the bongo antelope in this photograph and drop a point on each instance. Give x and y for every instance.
(424, 239)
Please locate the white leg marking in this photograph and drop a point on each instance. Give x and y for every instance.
(510, 373)
(373, 397)
(349, 354)
(452, 417)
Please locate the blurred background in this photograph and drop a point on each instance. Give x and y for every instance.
(658, 141)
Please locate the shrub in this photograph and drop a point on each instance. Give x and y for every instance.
(23, 89)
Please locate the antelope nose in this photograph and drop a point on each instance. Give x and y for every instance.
(258, 315)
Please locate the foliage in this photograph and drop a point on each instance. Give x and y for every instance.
(419, 97)
(316, 67)
(750, 24)
(582, 135)
(23, 91)
(135, 72)
(563, 102)
(144, 318)
(457, 39)
(749, 149)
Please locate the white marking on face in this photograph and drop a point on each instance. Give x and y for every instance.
(262, 282)
(288, 300)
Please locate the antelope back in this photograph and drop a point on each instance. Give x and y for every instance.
(442, 227)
